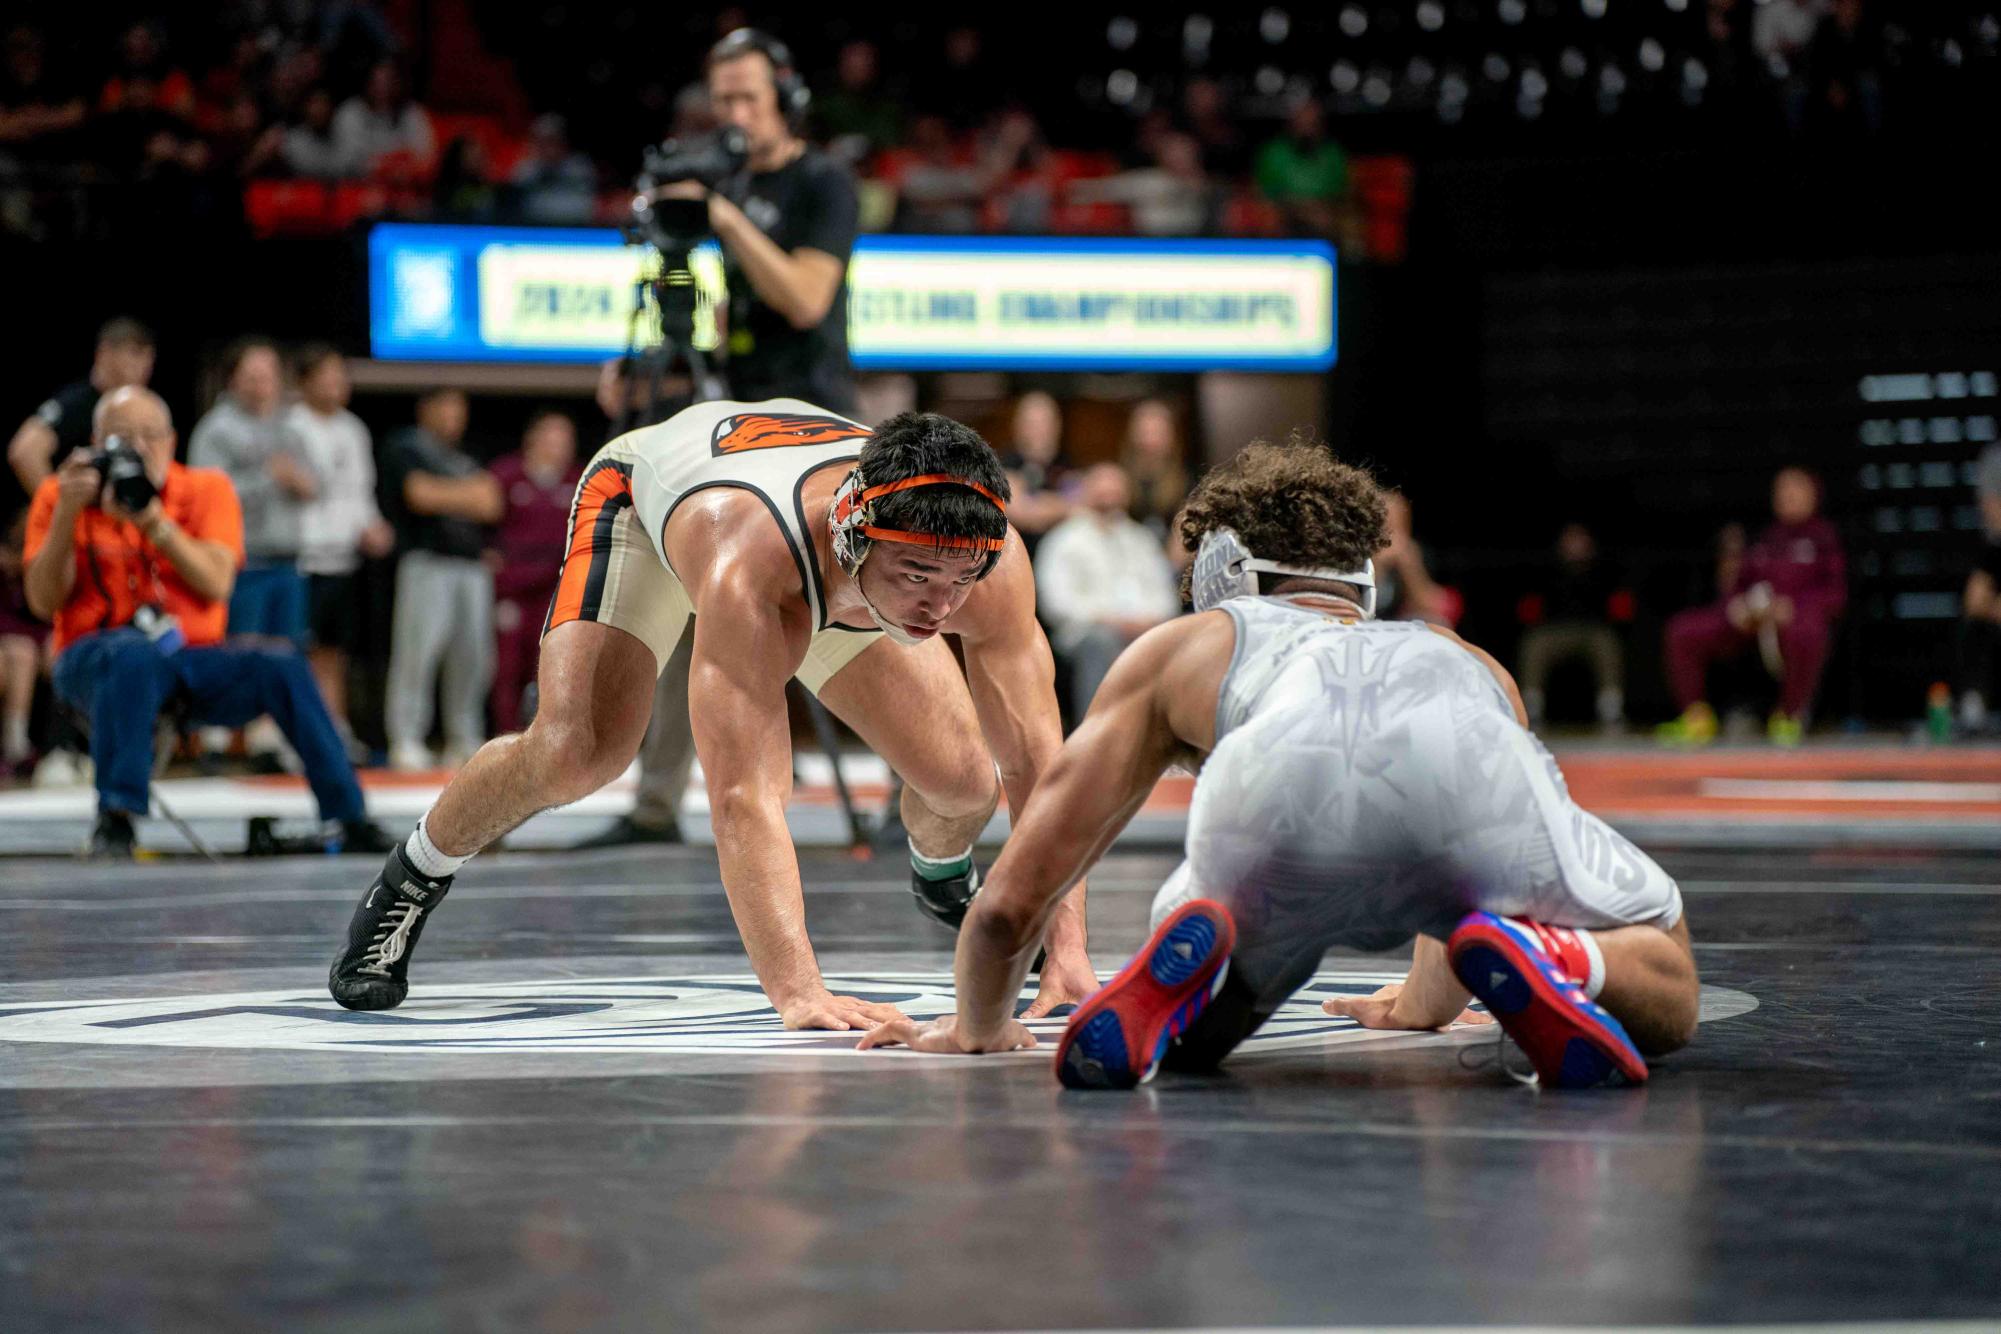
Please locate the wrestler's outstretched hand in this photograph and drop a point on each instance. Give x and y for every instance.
(1066, 980)
(822, 1009)
(1379, 1010)
(941, 1037)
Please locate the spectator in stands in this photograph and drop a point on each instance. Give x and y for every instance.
(339, 526)
(1102, 581)
(146, 77)
(1205, 115)
(1305, 173)
(554, 182)
(527, 553)
(139, 602)
(240, 143)
(1573, 615)
(245, 436)
(1036, 468)
(1026, 176)
(381, 131)
(856, 116)
(1172, 197)
(38, 112)
(941, 191)
(124, 357)
(1843, 82)
(962, 86)
(464, 188)
(1782, 29)
(1155, 466)
(142, 131)
(440, 501)
(309, 148)
(1405, 590)
(1784, 597)
(1979, 646)
(21, 638)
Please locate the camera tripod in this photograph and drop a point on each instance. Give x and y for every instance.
(647, 373)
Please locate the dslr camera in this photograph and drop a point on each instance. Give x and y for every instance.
(123, 469)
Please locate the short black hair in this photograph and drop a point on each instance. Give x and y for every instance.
(124, 331)
(913, 444)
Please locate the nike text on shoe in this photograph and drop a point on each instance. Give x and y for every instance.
(1572, 1041)
(1118, 1036)
(372, 973)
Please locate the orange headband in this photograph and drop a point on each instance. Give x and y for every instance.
(857, 500)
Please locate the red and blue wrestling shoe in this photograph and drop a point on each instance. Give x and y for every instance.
(1116, 1038)
(1572, 1041)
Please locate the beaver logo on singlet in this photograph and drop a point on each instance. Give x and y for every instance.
(764, 430)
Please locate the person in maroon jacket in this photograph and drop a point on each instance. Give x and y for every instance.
(527, 553)
(1789, 587)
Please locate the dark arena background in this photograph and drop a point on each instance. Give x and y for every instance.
(1592, 285)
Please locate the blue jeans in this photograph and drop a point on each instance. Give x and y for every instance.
(269, 600)
(120, 682)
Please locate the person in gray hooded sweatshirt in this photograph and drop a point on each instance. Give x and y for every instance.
(245, 435)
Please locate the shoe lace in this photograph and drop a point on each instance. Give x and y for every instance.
(392, 937)
(1484, 1057)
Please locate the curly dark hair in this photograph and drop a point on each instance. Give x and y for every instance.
(1294, 503)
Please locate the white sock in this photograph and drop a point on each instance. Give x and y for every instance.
(1595, 983)
(424, 857)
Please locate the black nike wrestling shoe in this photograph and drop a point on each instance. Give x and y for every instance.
(946, 901)
(372, 973)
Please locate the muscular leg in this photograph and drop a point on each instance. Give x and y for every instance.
(912, 707)
(1651, 985)
(596, 695)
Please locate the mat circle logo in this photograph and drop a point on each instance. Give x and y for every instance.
(723, 1014)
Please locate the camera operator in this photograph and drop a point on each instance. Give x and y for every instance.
(133, 557)
(786, 243)
(785, 254)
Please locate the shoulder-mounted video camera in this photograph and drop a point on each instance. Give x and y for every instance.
(720, 161)
(123, 469)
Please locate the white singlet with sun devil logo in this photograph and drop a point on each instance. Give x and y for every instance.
(1370, 782)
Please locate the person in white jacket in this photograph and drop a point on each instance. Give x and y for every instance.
(1103, 581)
(341, 525)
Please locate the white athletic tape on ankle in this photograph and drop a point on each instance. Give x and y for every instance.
(1596, 982)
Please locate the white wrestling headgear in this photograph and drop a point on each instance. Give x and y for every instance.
(1225, 569)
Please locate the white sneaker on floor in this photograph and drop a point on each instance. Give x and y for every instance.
(409, 757)
(62, 768)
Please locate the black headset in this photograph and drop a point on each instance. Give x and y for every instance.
(793, 94)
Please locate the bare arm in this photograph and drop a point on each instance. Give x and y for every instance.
(476, 498)
(29, 452)
(1099, 778)
(52, 573)
(1013, 681)
(209, 568)
(799, 284)
(744, 653)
